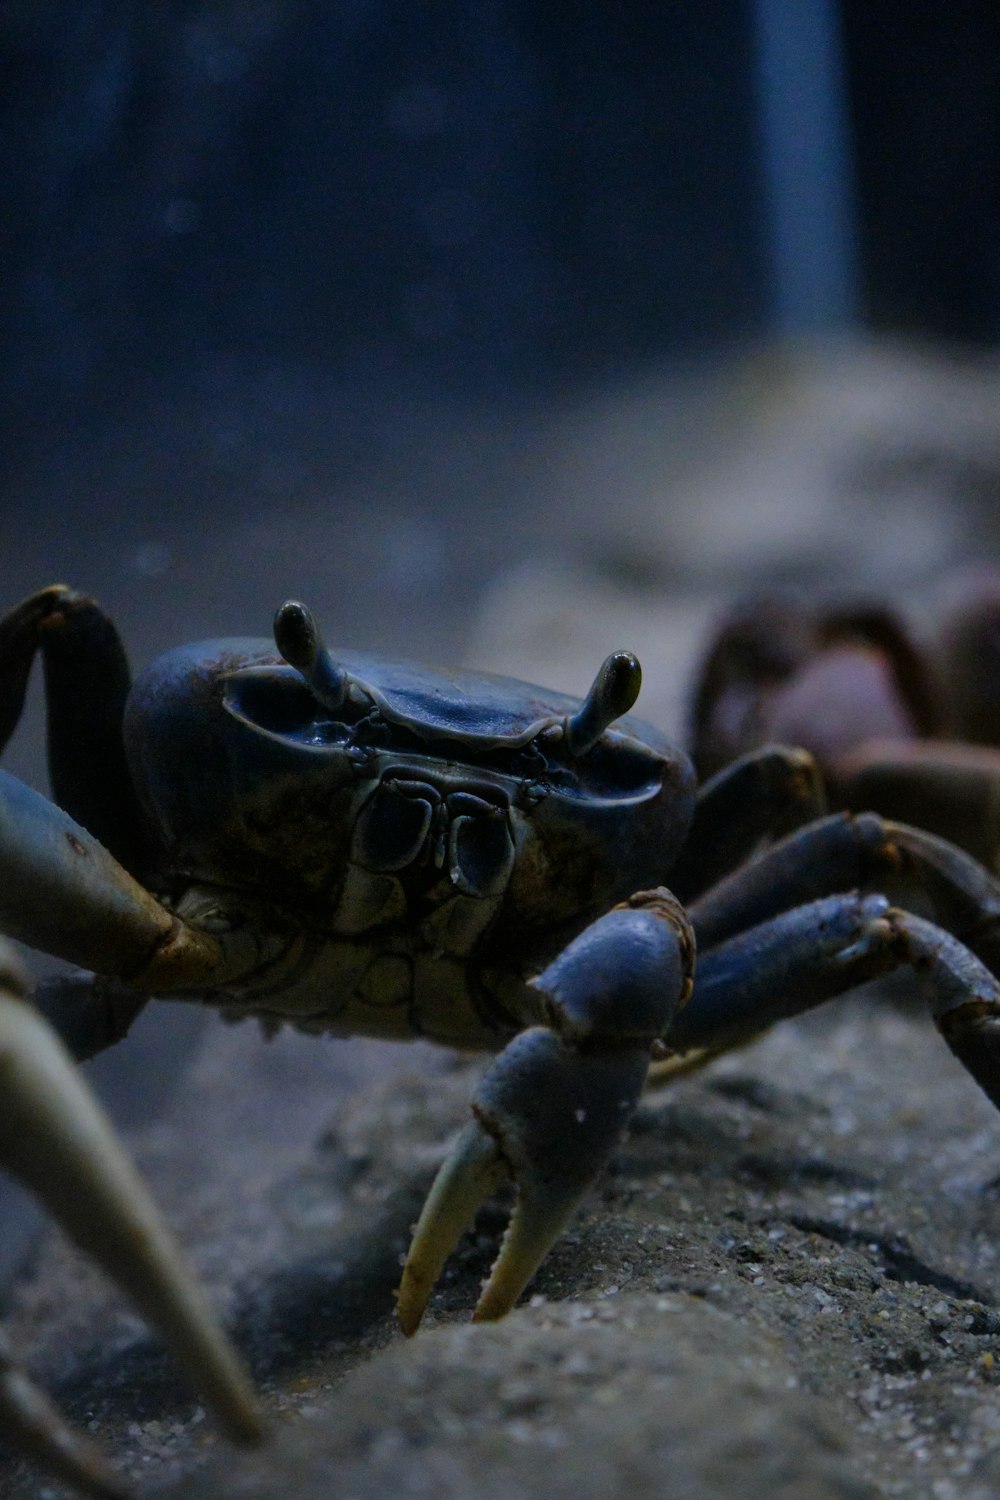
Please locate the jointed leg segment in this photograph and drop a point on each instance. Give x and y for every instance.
(797, 960)
(55, 1139)
(86, 682)
(779, 936)
(856, 850)
(764, 794)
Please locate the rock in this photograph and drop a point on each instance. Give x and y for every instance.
(642, 1396)
(790, 1274)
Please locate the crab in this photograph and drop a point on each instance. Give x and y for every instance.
(348, 844)
(911, 729)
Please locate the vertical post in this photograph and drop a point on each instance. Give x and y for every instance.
(809, 209)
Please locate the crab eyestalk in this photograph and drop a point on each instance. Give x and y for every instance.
(612, 693)
(298, 638)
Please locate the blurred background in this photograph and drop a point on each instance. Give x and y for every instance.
(376, 304)
(507, 334)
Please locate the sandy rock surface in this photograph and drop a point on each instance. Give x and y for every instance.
(788, 1283)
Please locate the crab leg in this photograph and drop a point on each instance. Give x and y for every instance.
(949, 787)
(86, 683)
(64, 893)
(764, 794)
(763, 934)
(57, 1141)
(37, 1430)
(795, 961)
(857, 849)
(551, 1109)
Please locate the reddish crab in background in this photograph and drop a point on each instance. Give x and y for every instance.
(909, 729)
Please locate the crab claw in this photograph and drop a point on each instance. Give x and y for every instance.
(548, 1114)
(57, 1141)
(551, 1109)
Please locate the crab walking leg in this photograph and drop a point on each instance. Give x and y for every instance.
(57, 1141)
(86, 684)
(949, 787)
(19, 639)
(36, 1430)
(848, 850)
(64, 893)
(553, 1106)
(88, 1014)
(807, 955)
(765, 793)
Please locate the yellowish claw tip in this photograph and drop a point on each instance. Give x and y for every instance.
(467, 1178)
(410, 1305)
(409, 1326)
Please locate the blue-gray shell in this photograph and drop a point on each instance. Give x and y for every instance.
(214, 730)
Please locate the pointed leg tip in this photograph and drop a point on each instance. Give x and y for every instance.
(489, 1310)
(38, 1432)
(411, 1304)
(409, 1323)
(247, 1426)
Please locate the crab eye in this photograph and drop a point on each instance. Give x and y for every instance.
(613, 692)
(297, 637)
